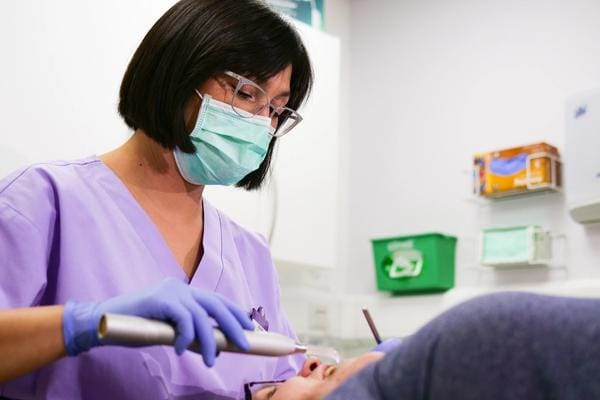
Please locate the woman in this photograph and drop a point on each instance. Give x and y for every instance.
(314, 381)
(209, 89)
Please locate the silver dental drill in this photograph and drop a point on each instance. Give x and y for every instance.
(136, 331)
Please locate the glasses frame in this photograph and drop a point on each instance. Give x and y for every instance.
(297, 118)
(248, 392)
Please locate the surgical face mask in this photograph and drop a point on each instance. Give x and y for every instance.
(228, 146)
(519, 245)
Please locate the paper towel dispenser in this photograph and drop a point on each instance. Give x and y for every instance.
(586, 213)
(582, 156)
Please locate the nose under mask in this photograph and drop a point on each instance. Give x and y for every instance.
(228, 146)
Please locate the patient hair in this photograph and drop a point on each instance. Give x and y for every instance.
(196, 40)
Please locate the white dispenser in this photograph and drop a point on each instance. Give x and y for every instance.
(582, 157)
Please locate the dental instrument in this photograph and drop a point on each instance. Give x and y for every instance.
(372, 326)
(136, 331)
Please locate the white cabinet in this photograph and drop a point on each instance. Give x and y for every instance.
(300, 201)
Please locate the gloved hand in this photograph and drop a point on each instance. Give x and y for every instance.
(387, 345)
(171, 300)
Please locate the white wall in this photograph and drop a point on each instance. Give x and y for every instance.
(433, 82)
(62, 64)
(337, 21)
(430, 82)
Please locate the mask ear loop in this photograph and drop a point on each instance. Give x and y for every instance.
(203, 105)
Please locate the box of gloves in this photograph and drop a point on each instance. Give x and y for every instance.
(517, 170)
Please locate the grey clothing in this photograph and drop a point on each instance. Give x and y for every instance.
(508, 346)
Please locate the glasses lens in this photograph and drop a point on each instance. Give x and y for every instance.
(286, 121)
(261, 390)
(248, 100)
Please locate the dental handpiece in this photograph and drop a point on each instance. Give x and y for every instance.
(133, 331)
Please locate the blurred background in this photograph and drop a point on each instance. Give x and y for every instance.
(407, 92)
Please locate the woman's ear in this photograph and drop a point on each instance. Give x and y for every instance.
(190, 113)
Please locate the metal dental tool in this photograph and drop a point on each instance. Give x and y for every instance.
(136, 331)
(367, 315)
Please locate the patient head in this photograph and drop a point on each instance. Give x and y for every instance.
(316, 379)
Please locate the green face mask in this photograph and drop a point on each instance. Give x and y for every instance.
(228, 146)
(520, 245)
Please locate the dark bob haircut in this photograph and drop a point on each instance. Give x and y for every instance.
(192, 42)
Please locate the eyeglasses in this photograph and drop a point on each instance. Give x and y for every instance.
(248, 392)
(249, 99)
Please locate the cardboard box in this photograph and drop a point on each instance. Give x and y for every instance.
(517, 170)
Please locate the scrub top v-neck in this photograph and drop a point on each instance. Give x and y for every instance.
(72, 230)
(210, 267)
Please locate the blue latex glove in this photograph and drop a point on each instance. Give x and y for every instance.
(387, 345)
(171, 300)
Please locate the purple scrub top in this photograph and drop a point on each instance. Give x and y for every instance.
(72, 230)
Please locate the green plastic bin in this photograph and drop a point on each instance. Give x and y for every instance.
(417, 263)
